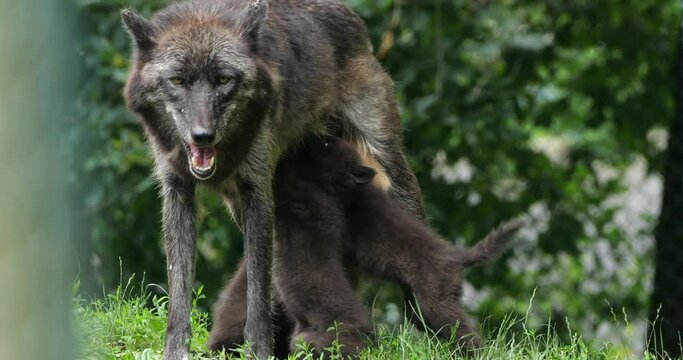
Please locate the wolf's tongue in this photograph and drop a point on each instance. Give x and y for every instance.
(201, 156)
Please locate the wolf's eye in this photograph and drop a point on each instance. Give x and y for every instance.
(222, 80)
(177, 81)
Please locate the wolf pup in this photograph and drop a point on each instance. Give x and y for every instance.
(329, 217)
(223, 88)
(311, 245)
(381, 238)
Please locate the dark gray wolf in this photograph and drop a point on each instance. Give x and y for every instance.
(223, 88)
(327, 213)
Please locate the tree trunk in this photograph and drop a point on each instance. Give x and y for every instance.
(667, 299)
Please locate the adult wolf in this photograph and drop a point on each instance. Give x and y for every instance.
(223, 88)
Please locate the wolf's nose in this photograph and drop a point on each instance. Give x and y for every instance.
(202, 136)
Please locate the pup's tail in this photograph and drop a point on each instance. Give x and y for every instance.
(488, 249)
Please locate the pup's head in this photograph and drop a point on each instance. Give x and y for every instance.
(194, 71)
(334, 164)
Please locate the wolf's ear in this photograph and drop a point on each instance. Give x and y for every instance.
(141, 29)
(363, 174)
(252, 18)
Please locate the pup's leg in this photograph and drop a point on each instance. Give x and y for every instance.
(348, 338)
(179, 235)
(316, 292)
(230, 316)
(230, 313)
(432, 271)
(317, 304)
(436, 303)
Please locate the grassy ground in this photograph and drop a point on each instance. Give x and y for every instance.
(125, 326)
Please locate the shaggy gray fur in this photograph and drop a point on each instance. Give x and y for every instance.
(259, 76)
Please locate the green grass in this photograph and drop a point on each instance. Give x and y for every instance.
(123, 325)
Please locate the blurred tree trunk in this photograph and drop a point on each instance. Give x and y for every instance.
(38, 67)
(668, 284)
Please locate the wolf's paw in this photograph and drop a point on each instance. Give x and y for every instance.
(176, 355)
(177, 347)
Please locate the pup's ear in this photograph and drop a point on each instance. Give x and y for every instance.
(252, 18)
(141, 29)
(362, 174)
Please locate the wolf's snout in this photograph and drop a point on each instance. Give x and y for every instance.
(203, 137)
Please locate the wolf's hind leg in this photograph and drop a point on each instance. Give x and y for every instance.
(371, 121)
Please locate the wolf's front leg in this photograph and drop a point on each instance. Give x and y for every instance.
(257, 219)
(179, 235)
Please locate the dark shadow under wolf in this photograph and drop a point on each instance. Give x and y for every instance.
(327, 213)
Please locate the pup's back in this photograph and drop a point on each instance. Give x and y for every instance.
(336, 166)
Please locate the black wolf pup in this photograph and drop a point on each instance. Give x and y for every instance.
(223, 88)
(312, 244)
(381, 237)
(327, 213)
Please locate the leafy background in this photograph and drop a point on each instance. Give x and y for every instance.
(554, 109)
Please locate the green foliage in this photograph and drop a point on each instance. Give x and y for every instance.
(519, 106)
(509, 107)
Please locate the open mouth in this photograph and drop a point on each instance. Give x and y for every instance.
(202, 161)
